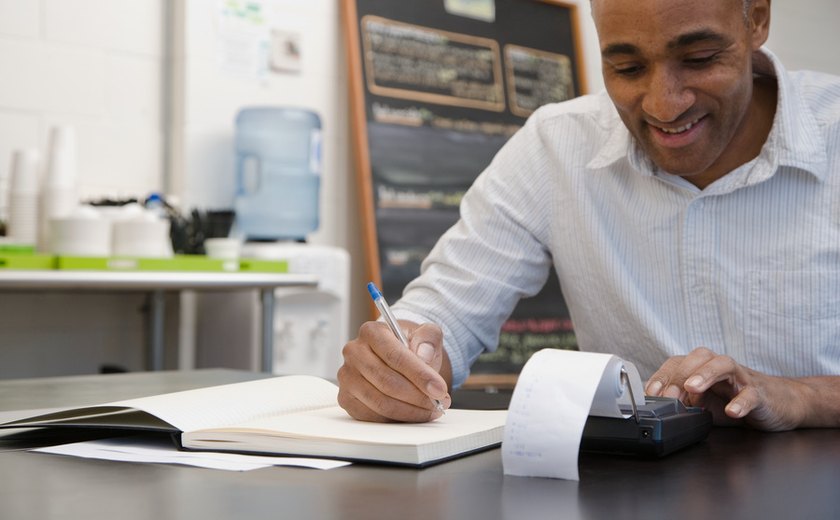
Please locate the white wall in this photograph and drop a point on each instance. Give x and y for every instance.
(805, 34)
(92, 64)
(589, 42)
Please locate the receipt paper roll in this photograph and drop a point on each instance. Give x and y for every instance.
(555, 393)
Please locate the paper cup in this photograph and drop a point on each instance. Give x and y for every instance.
(222, 248)
(147, 238)
(23, 195)
(25, 168)
(80, 236)
(61, 158)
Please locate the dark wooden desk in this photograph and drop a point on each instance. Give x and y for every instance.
(734, 474)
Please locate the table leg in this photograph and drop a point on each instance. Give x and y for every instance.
(267, 299)
(155, 340)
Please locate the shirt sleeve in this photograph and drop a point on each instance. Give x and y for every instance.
(493, 256)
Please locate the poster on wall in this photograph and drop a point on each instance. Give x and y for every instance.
(437, 87)
(243, 38)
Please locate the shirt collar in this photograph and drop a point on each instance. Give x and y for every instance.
(797, 137)
(795, 140)
(619, 143)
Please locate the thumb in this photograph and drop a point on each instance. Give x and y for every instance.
(427, 342)
(426, 352)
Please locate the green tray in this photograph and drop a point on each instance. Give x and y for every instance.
(12, 248)
(27, 262)
(176, 263)
(263, 266)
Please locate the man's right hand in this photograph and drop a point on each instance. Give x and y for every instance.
(382, 380)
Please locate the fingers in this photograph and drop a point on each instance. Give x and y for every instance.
(407, 362)
(670, 379)
(731, 392)
(383, 380)
(403, 374)
(688, 378)
(714, 370)
(363, 401)
(743, 403)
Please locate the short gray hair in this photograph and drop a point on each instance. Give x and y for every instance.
(747, 5)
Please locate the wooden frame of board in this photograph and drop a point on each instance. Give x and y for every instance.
(495, 103)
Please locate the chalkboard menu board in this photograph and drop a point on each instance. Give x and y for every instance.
(437, 87)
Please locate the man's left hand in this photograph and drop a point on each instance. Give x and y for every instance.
(731, 392)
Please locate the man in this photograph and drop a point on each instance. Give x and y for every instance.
(710, 218)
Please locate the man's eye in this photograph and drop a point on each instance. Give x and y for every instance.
(701, 60)
(628, 70)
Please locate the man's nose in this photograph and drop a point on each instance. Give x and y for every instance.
(667, 96)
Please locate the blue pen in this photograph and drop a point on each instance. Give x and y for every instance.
(389, 318)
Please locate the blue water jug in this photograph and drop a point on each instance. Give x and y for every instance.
(278, 157)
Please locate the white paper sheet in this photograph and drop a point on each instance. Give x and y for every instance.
(555, 393)
(162, 451)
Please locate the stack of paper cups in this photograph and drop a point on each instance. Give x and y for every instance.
(23, 196)
(58, 196)
(82, 233)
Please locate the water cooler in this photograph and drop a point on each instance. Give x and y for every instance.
(278, 172)
(310, 325)
(278, 168)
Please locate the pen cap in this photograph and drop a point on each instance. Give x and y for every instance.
(374, 291)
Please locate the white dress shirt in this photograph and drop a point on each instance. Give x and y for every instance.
(650, 265)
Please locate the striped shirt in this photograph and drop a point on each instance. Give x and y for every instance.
(650, 265)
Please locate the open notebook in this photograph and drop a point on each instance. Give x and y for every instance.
(289, 415)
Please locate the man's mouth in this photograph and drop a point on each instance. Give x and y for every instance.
(680, 129)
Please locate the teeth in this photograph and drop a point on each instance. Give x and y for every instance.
(680, 129)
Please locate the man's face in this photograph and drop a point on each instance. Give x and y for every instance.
(679, 72)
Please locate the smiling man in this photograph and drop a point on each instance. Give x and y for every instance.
(685, 87)
(692, 212)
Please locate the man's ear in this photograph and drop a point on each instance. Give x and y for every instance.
(759, 20)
